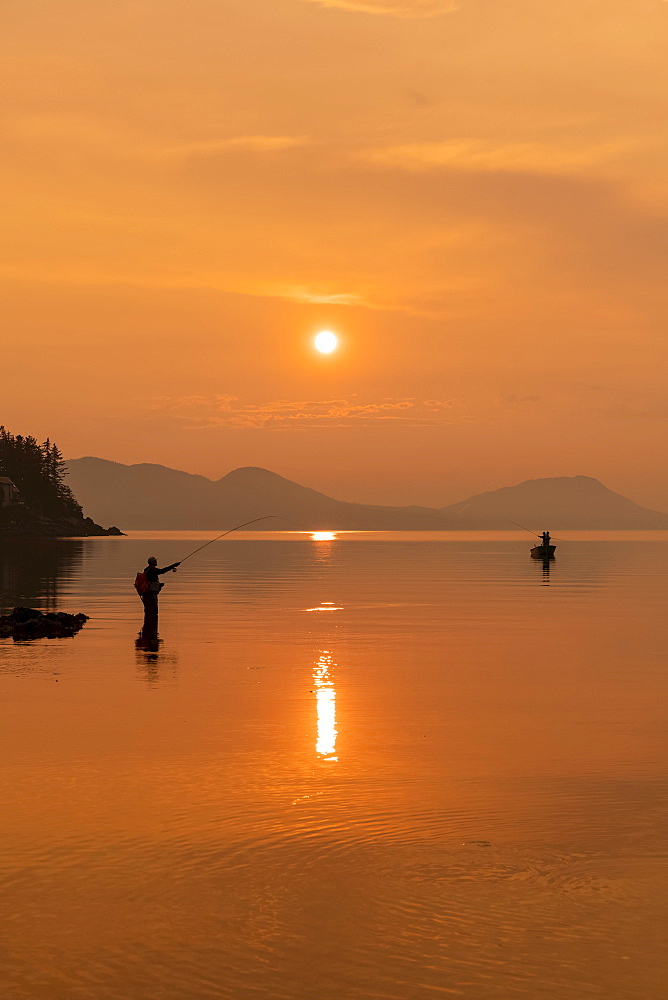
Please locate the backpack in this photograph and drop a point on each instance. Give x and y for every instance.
(141, 584)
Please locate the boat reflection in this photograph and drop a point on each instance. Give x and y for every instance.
(325, 700)
(546, 565)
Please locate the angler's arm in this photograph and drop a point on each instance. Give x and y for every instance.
(168, 568)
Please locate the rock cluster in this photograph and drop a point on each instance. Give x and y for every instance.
(91, 528)
(27, 623)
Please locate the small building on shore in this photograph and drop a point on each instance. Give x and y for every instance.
(9, 493)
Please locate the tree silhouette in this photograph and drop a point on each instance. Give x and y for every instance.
(38, 471)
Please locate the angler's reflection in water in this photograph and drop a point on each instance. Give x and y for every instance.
(325, 694)
(148, 639)
(148, 645)
(150, 653)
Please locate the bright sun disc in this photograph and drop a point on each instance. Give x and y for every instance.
(326, 342)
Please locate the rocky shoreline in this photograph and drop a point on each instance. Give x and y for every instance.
(28, 623)
(21, 521)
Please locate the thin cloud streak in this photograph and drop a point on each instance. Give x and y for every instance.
(304, 294)
(243, 143)
(482, 155)
(119, 140)
(394, 8)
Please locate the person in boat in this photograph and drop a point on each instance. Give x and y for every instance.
(545, 539)
(150, 598)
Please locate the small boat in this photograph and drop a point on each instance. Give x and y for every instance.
(543, 551)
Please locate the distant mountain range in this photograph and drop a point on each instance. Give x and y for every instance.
(153, 497)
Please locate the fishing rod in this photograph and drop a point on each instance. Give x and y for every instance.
(265, 517)
(536, 534)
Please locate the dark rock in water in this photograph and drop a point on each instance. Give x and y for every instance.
(91, 528)
(24, 614)
(28, 623)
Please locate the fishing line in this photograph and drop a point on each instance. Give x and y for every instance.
(266, 517)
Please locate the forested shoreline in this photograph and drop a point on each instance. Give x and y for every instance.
(36, 499)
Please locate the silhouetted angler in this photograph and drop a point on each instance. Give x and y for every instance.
(150, 598)
(546, 538)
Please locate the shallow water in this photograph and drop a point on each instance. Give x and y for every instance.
(386, 766)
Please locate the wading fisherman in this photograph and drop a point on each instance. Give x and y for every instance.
(147, 583)
(153, 588)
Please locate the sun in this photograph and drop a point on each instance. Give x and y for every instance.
(326, 342)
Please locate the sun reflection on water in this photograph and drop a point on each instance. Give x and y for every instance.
(325, 696)
(323, 548)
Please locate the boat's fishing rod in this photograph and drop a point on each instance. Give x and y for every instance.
(536, 534)
(265, 517)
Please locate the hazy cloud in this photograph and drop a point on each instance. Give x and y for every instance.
(629, 411)
(439, 405)
(519, 399)
(281, 414)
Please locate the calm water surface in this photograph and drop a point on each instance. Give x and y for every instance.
(393, 766)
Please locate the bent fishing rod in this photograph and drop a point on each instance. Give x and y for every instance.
(265, 517)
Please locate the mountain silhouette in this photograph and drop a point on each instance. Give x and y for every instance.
(154, 497)
(157, 498)
(567, 502)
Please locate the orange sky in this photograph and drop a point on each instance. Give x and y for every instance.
(471, 194)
